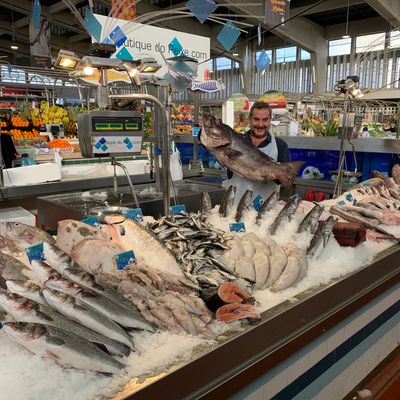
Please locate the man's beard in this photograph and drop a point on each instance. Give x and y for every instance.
(259, 135)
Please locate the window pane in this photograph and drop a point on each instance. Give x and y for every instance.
(211, 65)
(236, 65)
(285, 54)
(339, 47)
(395, 39)
(304, 55)
(370, 42)
(223, 63)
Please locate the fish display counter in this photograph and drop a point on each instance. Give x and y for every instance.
(233, 299)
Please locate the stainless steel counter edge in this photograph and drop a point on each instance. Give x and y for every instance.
(14, 192)
(372, 145)
(283, 330)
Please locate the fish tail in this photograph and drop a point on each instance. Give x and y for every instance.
(290, 171)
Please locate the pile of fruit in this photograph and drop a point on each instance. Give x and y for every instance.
(182, 113)
(3, 124)
(60, 144)
(53, 114)
(20, 134)
(19, 122)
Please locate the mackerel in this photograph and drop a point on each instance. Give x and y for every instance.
(244, 205)
(321, 236)
(311, 219)
(268, 205)
(227, 201)
(286, 213)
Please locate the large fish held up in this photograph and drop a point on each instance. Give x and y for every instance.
(241, 157)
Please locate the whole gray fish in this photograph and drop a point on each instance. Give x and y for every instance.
(311, 219)
(286, 213)
(64, 348)
(244, 205)
(24, 310)
(355, 217)
(27, 289)
(227, 201)
(99, 303)
(24, 235)
(88, 281)
(205, 203)
(241, 157)
(11, 268)
(268, 205)
(321, 236)
(78, 312)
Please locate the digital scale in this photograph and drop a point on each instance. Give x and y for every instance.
(110, 133)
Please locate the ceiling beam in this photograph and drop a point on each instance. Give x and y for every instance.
(388, 9)
(57, 41)
(361, 27)
(328, 5)
(65, 20)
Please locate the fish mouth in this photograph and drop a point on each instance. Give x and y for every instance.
(209, 120)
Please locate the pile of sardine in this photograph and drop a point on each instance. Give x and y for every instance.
(196, 245)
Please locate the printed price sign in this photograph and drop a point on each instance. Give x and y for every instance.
(124, 259)
(35, 252)
(177, 209)
(93, 221)
(258, 202)
(135, 214)
(237, 227)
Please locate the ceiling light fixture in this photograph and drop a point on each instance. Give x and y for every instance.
(346, 35)
(235, 54)
(14, 47)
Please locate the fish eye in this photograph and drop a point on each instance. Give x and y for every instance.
(16, 224)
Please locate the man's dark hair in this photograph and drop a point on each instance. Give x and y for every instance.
(260, 105)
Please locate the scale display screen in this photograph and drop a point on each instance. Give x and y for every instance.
(120, 124)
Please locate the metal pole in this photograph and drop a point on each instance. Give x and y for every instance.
(164, 134)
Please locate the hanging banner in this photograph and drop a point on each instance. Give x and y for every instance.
(135, 41)
(123, 9)
(276, 11)
(40, 44)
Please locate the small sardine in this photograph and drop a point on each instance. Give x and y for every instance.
(286, 213)
(268, 205)
(311, 219)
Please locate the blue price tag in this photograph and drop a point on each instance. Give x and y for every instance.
(35, 252)
(258, 202)
(237, 227)
(177, 209)
(93, 221)
(135, 214)
(196, 131)
(124, 259)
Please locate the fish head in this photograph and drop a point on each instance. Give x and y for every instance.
(54, 296)
(214, 133)
(21, 287)
(25, 331)
(19, 231)
(15, 301)
(62, 285)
